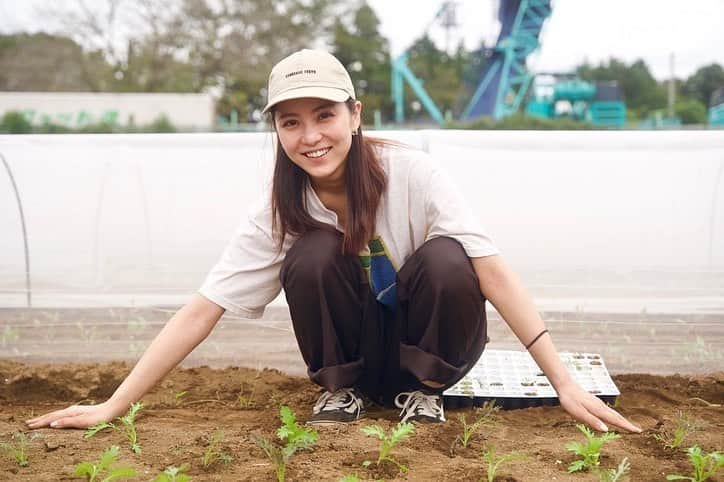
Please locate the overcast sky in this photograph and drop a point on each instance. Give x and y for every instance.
(692, 30)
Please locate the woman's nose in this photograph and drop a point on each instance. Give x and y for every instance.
(311, 136)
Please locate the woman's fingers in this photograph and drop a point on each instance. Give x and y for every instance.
(590, 410)
(48, 418)
(579, 412)
(611, 416)
(77, 421)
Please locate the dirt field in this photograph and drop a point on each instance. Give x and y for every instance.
(52, 358)
(173, 432)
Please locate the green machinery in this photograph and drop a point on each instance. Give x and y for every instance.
(556, 96)
(716, 108)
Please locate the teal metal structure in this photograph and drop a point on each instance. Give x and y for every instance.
(601, 103)
(716, 109)
(401, 72)
(506, 79)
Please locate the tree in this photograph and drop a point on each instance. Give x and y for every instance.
(442, 74)
(642, 93)
(233, 44)
(704, 82)
(690, 111)
(44, 62)
(365, 53)
(194, 45)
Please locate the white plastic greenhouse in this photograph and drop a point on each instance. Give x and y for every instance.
(629, 223)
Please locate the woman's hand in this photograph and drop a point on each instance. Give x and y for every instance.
(590, 410)
(77, 416)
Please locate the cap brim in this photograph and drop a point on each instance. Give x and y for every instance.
(326, 93)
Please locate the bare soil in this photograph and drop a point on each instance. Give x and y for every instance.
(173, 431)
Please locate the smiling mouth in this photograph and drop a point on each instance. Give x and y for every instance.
(317, 153)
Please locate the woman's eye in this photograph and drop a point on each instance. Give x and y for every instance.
(289, 123)
(325, 115)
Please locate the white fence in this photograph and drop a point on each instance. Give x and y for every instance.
(78, 109)
(611, 221)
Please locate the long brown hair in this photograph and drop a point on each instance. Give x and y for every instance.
(365, 181)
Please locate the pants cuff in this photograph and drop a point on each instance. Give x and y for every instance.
(334, 377)
(426, 366)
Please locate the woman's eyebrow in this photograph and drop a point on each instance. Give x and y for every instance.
(319, 107)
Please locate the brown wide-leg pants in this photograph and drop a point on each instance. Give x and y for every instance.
(348, 339)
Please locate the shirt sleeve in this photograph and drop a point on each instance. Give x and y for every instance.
(246, 277)
(449, 214)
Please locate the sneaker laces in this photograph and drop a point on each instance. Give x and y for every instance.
(419, 403)
(342, 399)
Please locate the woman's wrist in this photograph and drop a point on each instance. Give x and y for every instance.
(117, 404)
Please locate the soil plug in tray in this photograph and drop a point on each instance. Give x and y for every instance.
(514, 380)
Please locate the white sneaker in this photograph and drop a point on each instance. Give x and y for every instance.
(420, 406)
(344, 405)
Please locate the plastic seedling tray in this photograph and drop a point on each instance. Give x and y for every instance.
(514, 380)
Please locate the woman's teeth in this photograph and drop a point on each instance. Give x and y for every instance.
(318, 153)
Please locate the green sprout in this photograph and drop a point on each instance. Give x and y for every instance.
(19, 448)
(684, 426)
(705, 465)
(213, 453)
(10, 334)
(128, 429)
(387, 442)
(350, 478)
(245, 401)
(615, 475)
(101, 470)
(178, 397)
(494, 462)
(174, 474)
(295, 438)
(486, 417)
(590, 451)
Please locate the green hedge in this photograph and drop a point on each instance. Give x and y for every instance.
(14, 122)
(521, 122)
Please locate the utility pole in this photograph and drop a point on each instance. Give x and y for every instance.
(448, 21)
(672, 86)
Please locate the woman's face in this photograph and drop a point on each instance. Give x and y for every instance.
(316, 134)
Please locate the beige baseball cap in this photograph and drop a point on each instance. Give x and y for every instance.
(309, 73)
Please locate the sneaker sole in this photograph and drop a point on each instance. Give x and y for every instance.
(334, 422)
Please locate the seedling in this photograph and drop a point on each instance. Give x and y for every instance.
(387, 442)
(18, 448)
(590, 451)
(615, 475)
(102, 470)
(213, 453)
(246, 402)
(494, 462)
(350, 478)
(705, 465)
(174, 474)
(684, 426)
(178, 397)
(295, 437)
(128, 429)
(487, 413)
(10, 334)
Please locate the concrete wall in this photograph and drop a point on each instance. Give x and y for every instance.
(611, 221)
(75, 109)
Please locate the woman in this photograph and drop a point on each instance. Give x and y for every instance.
(385, 270)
